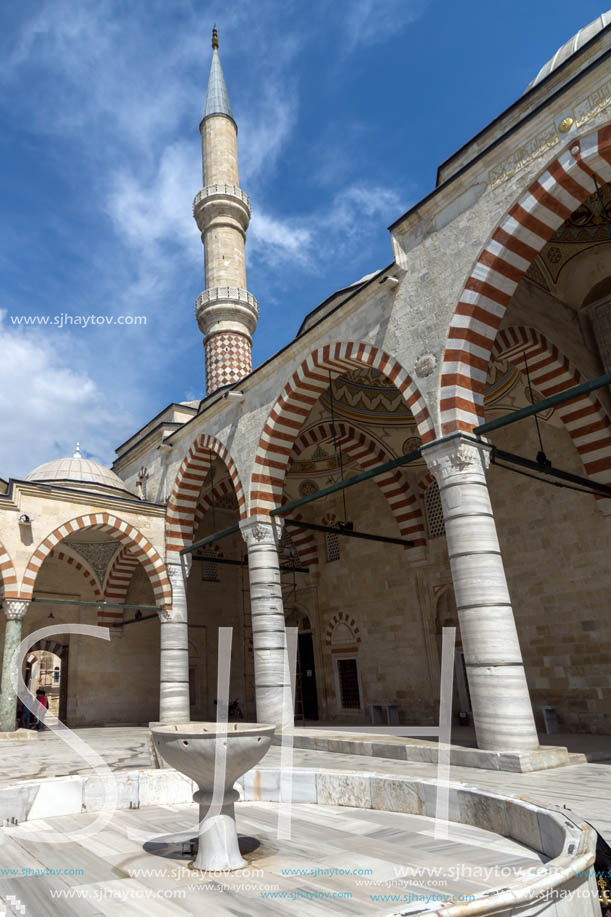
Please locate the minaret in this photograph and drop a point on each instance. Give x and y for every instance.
(226, 312)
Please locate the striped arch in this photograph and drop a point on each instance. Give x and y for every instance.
(211, 499)
(81, 566)
(119, 576)
(305, 544)
(551, 372)
(360, 447)
(180, 519)
(117, 528)
(292, 408)
(8, 578)
(424, 484)
(510, 251)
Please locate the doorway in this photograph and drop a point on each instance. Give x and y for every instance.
(306, 693)
(46, 667)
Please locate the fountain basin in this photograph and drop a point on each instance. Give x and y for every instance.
(201, 750)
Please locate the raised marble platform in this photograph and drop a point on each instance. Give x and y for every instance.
(426, 752)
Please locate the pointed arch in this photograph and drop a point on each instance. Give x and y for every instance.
(80, 565)
(180, 519)
(8, 578)
(360, 447)
(211, 499)
(119, 576)
(551, 372)
(292, 408)
(117, 528)
(511, 249)
(304, 543)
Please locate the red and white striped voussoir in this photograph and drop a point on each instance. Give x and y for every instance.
(211, 499)
(80, 566)
(297, 399)
(362, 449)
(121, 530)
(551, 372)
(305, 544)
(120, 576)
(523, 232)
(8, 577)
(182, 505)
(424, 484)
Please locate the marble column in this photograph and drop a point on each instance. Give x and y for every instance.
(14, 610)
(502, 710)
(174, 639)
(272, 680)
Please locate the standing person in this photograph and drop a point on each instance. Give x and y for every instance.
(25, 717)
(41, 696)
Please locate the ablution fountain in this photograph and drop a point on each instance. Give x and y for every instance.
(191, 748)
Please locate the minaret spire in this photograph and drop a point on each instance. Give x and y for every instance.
(226, 312)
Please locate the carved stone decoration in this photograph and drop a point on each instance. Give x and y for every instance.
(457, 456)
(15, 609)
(141, 483)
(165, 615)
(594, 103)
(98, 554)
(425, 364)
(522, 155)
(260, 532)
(175, 568)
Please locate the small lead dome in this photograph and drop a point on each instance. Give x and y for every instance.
(582, 37)
(79, 473)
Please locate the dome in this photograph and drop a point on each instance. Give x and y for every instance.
(80, 473)
(569, 48)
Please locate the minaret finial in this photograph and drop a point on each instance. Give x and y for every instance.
(215, 39)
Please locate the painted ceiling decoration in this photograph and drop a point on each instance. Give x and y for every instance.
(369, 396)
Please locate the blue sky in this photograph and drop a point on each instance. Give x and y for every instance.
(345, 110)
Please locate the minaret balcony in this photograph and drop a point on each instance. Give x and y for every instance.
(229, 307)
(221, 201)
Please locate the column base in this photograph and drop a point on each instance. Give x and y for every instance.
(218, 847)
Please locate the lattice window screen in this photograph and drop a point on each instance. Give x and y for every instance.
(209, 568)
(332, 546)
(434, 512)
(350, 695)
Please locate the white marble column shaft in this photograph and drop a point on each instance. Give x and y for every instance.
(272, 681)
(500, 701)
(174, 658)
(14, 610)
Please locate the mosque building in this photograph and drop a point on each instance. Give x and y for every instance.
(496, 297)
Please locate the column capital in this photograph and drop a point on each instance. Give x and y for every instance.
(15, 609)
(262, 530)
(461, 454)
(176, 564)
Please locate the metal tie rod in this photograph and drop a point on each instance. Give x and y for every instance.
(349, 533)
(553, 401)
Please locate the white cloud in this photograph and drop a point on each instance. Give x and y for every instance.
(323, 235)
(146, 213)
(371, 22)
(52, 405)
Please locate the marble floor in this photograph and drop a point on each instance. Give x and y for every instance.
(356, 853)
(584, 788)
(122, 747)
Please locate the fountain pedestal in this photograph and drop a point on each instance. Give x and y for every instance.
(199, 750)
